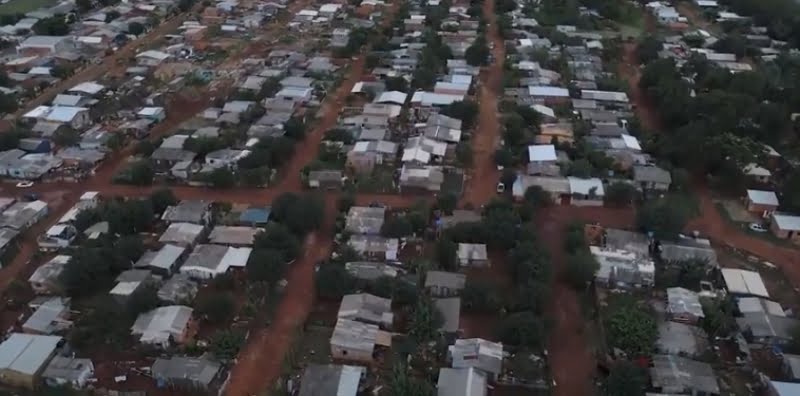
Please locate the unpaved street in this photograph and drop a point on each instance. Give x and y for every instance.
(484, 176)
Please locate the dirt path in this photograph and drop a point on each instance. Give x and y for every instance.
(572, 363)
(629, 69)
(482, 184)
(710, 223)
(261, 361)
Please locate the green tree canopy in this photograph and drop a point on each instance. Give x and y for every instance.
(581, 268)
(522, 329)
(215, 308)
(625, 379)
(301, 213)
(632, 329)
(425, 321)
(620, 194)
(333, 281)
(664, 217)
(225, 344)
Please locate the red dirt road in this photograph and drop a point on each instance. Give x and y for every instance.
(572, 362)
(482, 184)
(710, 223)
(261, 360)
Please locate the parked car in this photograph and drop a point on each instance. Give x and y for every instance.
(757, 227)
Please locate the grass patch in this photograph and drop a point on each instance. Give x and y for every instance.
(381, 180)
(24, 6)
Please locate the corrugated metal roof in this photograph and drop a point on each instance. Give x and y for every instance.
(27, 353)
(744, 282)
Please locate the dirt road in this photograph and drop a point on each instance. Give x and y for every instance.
(710, 223)
(629, 69)
(482, 184)
(261, 360)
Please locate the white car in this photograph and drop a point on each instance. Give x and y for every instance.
(757, 227)
(25, 184)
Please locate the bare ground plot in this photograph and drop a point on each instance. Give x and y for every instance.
(737, 212)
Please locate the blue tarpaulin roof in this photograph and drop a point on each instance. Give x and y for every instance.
(255, 216)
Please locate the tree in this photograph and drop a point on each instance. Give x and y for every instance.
(185, 5)
(135, 28)
(139, 173)
(620, 194)
(625, 379)
(142, 300)
(447, 202)
(632, 329)
(301, 213)
(581, 268)
(400, 291)
(52, 26)
(372, 61)
(295, 128)
(103, 322)
(648, 49)
(162, 198)
(204, 145)
(530, 262)
(112, 15)
(225, 344)
(145, 148)
(425, 321)
(581, 168)
(129, 216)
(464, 154)
(266, 265)
(538, 197)
(116, 142)
(345, 201)
(402, 383)
(66, 137)
(504, 157)
(255, 177)
(396, 84)
(84, 5)
(718, 319)
(664, 217)
(333, 281)
(129, 248)
(532, 295)
(276, 237)
(522, 329)
(215, 308)
(680, 180)
(8, 103)
(90, 270)
(339, 135)
(481, 297)
(466, 111)
(478, 53)
(447, 253)
(221, 178)
(397, 227)
(575, 239)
